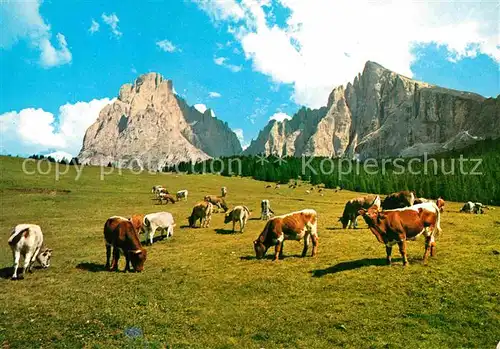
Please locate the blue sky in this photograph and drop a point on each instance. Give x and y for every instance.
(61, 61)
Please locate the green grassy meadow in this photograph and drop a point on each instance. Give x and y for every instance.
(204, 289)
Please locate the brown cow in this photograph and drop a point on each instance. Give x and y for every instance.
(166, 197)
(201, 211)
(293, 226)
(217, 201)
(397, 226)
(350, 215)
(398, 200)
(121, 234)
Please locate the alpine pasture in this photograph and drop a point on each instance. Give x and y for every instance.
(203, 288)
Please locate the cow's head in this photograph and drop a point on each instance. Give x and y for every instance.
(44, 257)
(260, 249)
(372, 216)
(138, 257)
(440, 204)
(228, 217)
(137, 221)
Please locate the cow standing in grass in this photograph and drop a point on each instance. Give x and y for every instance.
(159, 220)
(399, 225)
(293, 226)
(350, 215)
(121, 235)
(202, 211)
(217, 201)
(238, 214)
(182, 194)
(223, 192)
(265, 210)
(167, 198)
(27, 240)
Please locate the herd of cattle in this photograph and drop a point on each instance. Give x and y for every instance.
(399, 217)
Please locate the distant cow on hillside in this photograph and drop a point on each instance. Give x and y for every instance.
(473, 207)
(265, 210)
(182, 194)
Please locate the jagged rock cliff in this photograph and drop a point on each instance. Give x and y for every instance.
(149, 126)
(383, 114)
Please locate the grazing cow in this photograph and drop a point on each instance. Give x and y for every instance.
(277, 186)
(182, 194)
(308, 192)
(161, 220)
(399, 225)
(156, 188)
(350, 216)
(201, 211)
(269, 186)
(398, 200)
(265, 210)
(473, 207)
(120, 233)
(293, 226)
(166, 197)
(27, 240)
(238, 214)
(223, 192)
(217, 201)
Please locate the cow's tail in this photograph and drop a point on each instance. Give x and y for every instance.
(246, 209)
(147, 223)
(438, 230)
(16, 236)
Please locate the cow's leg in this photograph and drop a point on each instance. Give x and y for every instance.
(315, 244)
(33, 257)
(108, 256)
(27, 261)
(170, 231)
(127, 261)
(242, 225)
(402, 250)
(116, 257)
(152, 230)
(278, 251)
(355, 222)
(427, 248)
(307, 240)
(17, 256)
(388, 251)
(234, 225)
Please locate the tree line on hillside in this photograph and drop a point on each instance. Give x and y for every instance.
(469, 174)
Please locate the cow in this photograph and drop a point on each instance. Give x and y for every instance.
(398, 200)
(161, 220)
(120, 233)
(350, 215)
(278, 186)
(166, 197)
(265, 210)
(473, 207)
(397, 226)
(182, 194)
(26, 240)
(293, 226)
(217, 201)
(201, 211)
(238, 214)
(439, 202)
(223, 192)
(156, 188)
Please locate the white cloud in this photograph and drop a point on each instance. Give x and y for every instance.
(94, 27)
(222, 62)
(21, 20)
(280, 117)
(325, 43)
(37, 131)
(200, 107)
(112, 20)
(213, 94)
(167, 46)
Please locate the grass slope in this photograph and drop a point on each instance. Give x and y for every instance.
(204, 289)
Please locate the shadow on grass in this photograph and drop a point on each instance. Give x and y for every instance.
(226, 231)
(269, 256)
(155, 239)
(6, 273)
(334, 228)
(254, 219)
(91, 266)
(345, 266)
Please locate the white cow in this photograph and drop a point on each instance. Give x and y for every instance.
(265, 210)
(223, 192)
(182, 194)
(27, 240)
(238, 214)
(153, 221)
(473, 207)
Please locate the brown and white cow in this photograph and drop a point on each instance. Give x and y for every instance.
(202, 211)
(238, 214)
(293, 226)
(121, 234)
(352, 207)
(166, 197)
(400, 199)
(439, 202)
(397, 226)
